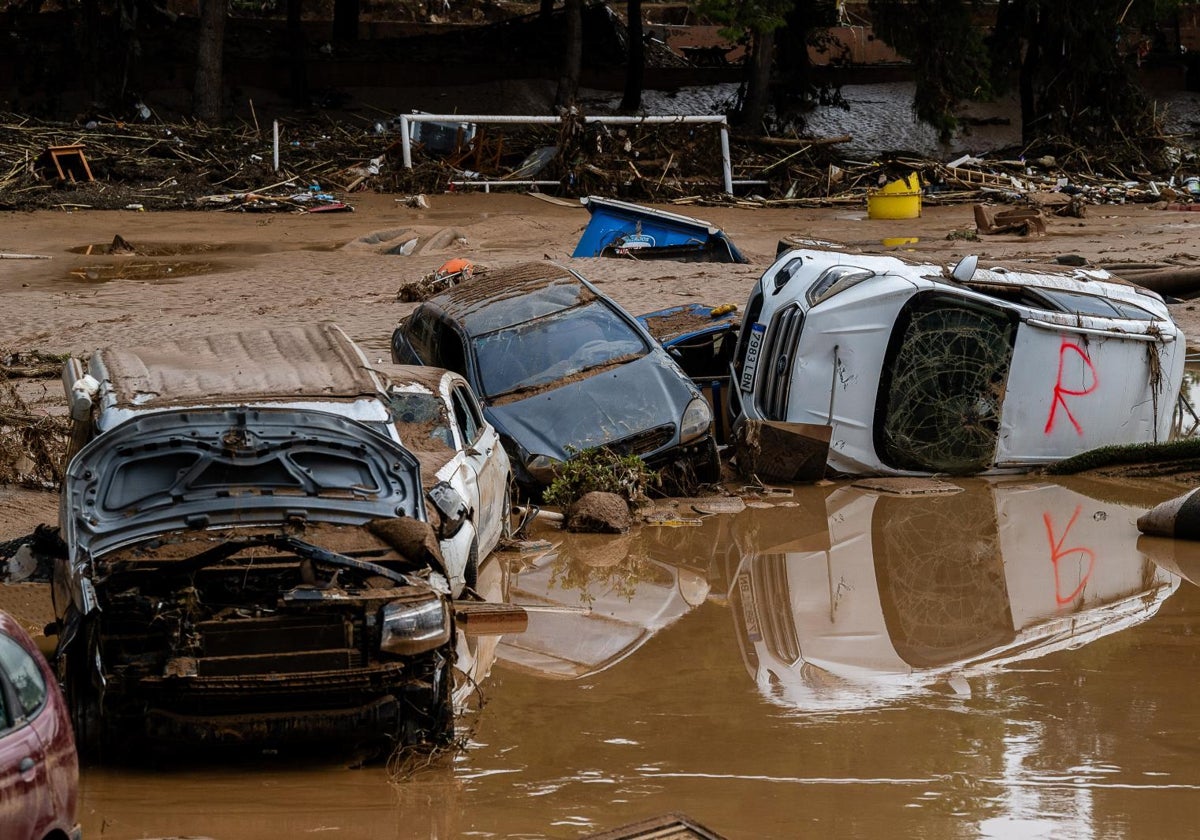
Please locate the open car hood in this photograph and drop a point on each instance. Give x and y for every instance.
(211, 468)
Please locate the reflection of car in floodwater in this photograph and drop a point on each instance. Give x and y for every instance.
(921, 370)
(586, 618)
(913, 591)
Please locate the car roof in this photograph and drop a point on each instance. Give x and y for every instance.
(513, 295)
(426, 376)
(303, 362)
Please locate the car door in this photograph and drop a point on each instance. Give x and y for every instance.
(26, 805)
(481, 446)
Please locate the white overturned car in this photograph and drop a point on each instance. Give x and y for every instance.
(918, 369)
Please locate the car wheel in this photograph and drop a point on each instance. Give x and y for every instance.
(506, 526)
(75, 670)
(709, 464)
(429, 711)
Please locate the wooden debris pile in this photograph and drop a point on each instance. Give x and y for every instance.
(152, 165)
(33, 445)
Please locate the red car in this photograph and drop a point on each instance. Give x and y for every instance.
(39, 770)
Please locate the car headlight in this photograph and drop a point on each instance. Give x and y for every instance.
(409, 627)
(451, 506)
(835, 279)
(697, 419)
(543, 468)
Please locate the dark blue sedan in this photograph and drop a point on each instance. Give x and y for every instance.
(560, 368)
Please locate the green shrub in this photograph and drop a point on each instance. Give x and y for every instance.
(601, 469)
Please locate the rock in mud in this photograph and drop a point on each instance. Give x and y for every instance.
(599, 512)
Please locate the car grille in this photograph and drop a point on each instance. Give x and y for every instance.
(278, 645)
(777, 360)
(643, 443)
(772, 596)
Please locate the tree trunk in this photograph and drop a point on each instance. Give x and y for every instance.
(92, 23)
(296, 50)
(635, 71)
(754, 109)
(345, 20)
(209, 53)
(568, 82)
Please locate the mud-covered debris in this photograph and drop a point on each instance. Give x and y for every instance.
(781, 451)
(599, 512)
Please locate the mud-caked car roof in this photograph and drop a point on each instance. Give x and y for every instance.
(310, 361)
(513, 295)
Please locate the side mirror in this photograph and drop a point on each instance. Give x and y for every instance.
(451, 506)
(965, 269)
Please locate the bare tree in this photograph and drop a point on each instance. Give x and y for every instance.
(296, 51)
(209, 56)
(635, 71)
(568, 81)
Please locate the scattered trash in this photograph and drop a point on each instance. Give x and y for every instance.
(1178, 518)
(451, 273)
(672, 826)
(621, 229)
(419, 201)
(907, 486)
(1027, 221)
(781, 451)
(899, 199)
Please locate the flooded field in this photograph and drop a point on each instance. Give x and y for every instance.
(1005, 660)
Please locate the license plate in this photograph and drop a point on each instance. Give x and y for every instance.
(749, 609)
(750, 365)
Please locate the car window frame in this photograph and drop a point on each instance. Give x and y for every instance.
(15, 714)
(460, 395)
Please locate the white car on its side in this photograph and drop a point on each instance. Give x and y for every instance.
(919, 369)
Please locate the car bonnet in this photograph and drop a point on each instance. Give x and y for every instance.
(604, 408)
(200, 469)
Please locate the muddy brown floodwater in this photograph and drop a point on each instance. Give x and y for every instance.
(1005, 660)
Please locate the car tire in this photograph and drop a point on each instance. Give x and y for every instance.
(708, 465)
(75, 670)
(506, 526)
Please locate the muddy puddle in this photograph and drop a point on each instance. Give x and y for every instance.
(1007, 661)
(145, 271)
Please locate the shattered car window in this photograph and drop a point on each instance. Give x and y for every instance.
(1095, 305)
(424, 415)
(554, 347)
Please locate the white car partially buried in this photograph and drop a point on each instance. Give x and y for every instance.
(920, 369)
(439, 419)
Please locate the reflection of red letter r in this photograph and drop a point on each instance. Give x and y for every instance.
(1057, 552)
(1061, 392)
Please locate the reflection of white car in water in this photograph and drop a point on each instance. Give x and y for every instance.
(439, 420)
(916, 590)
(919, 370)
(584, 618)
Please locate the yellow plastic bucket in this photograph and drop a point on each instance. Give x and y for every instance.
(899, 199)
